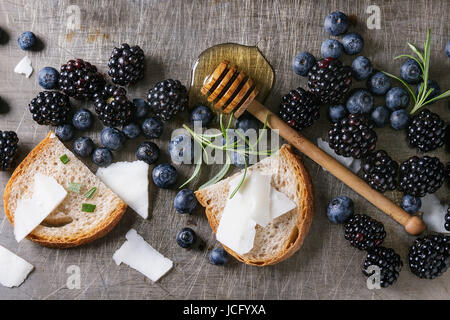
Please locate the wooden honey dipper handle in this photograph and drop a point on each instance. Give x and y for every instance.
(413, 225)
(230, 90)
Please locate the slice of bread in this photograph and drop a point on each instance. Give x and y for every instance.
(283, 236)
(67, 226)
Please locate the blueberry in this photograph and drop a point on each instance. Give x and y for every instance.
(410, 71)
(447, 49)
(102, 157)
(431, 85)
(152, 127)
(336, 113)
(164, 175)
(218, 257)
(65, 132)
(353, 43)
(112, 138)
(411, 204)
(83, 146)
(27, 40)
(185, 201)
(247, 121)
(361, 68)
(397, 98)
(380, 116)
(336, 23)
(142, 108)
(331, 48)
(340, 209)
(148, 152)
(360, 101)
(82, 119)
(48, 78)
(302, 63)
(378, 83)
(202, 114)
(131, 130)
(186, 238)
(181, 149)
(399, 119)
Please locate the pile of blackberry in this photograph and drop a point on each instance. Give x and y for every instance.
(126, 65)
(167, 98)
(113, 107)
(8, 149)
(419, 176)
(51, 108)
(429, 256)
(80, 80)
(353, 136)
(363, 232)
(299, 109)
(387, 260)
(380, 171)
(329, 80)
(426, 131)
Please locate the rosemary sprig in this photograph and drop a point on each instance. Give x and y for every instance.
(423, 59)
(245, 149)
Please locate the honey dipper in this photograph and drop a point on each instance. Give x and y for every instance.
(230, 90)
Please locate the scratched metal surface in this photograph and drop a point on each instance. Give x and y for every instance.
(172, 34)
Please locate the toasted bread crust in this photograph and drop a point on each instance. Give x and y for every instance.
(305, 211)
(98, 232)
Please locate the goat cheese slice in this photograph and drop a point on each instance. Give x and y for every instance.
(280, 203)
(129, 180)
(434, 213)
(141, 256)
(47, 195)
(13, 269)
(249, 206)
(24, 67)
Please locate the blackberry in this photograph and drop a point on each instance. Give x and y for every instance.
(426, 131)
(80, 79)
(363, 232)
(387, 260)
(447, 173)
(329, 80)
(429, 256)
(419, 176)
(299, 109)
(113, 107)
(353, 136)
(447, 220)
(167, 98)
(380, 171)
(126, 65)
(447, 137)
(8, 149)
(51, 108)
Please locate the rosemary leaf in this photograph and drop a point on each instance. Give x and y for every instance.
(220, 174)
(195, 173)
(240, 182)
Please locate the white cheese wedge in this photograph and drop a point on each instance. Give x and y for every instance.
(256, 202)
(129, 180)
(141, 256)
(13, 269)
(24, 67)
(47, 195)
(434, 213)
(280, 203)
